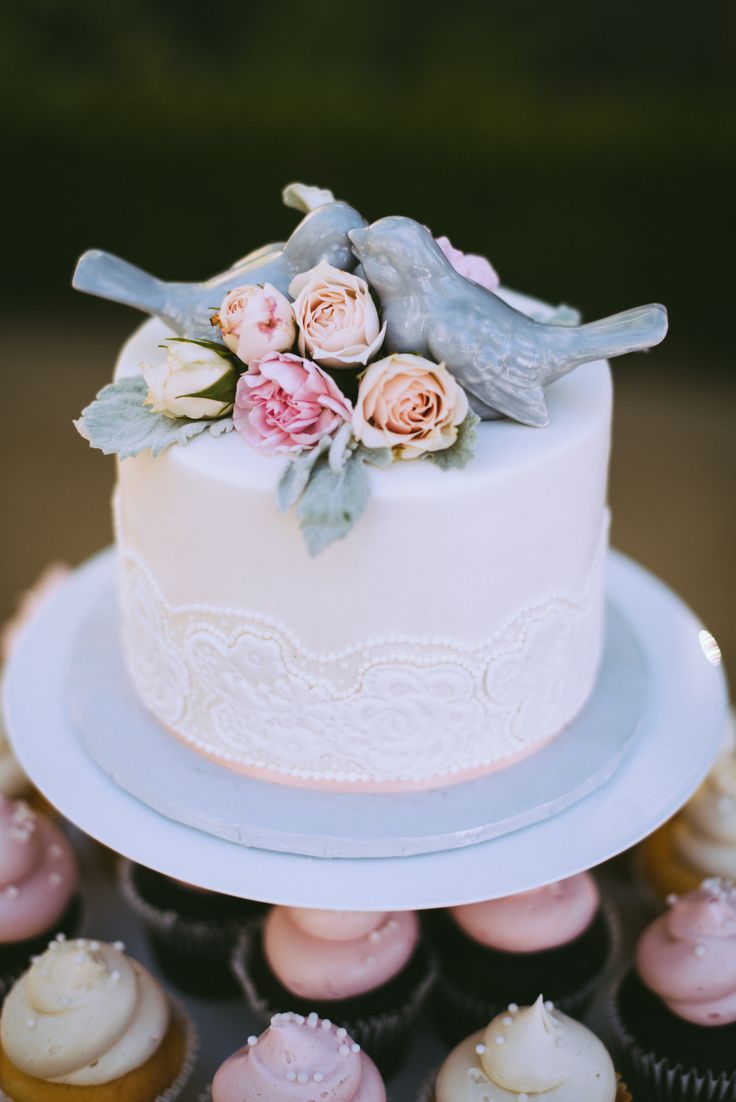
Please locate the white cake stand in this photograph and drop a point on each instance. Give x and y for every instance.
(679, 733)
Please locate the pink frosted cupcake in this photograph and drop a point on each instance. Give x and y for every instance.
(39, 886)
(367, 971)
(557, 939)
(674, 1013)
(299, 1058)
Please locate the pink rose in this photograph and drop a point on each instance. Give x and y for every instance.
(256, 320)
(337, 318)
(284, 403)
(468, 265)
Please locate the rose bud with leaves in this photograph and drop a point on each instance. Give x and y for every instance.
(255, 320)
(337, 318)
(193, 381)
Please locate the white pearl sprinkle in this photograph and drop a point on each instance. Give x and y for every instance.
(302, 1077)
(699, 950)
(508, 1020)
(55, 878)
(671, 899)
(12, 891)
(499, 1039)
(480, 1049)
(342, 1032)
(523, 1097)
(513, 1008)
(55, 850)
(31, 1023)
(94, 946)
(119, 945)
(291, 1076)
(318, 1076)
(549, 1005)
(252, 1040)
(115, 975)
(80, 958)
(61, 938)
(326, 1023)
(344, 1050)
(312, 1020)
(374, 936)
(299, 1019)
(355, 1048)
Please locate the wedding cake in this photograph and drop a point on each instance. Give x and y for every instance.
(361, 504)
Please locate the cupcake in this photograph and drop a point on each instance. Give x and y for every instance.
(674, 1012)
(367, 971)
(525, 1053)
(39, 886)
(86, 1023)
(192, 932)
(700, 841)
(298, 1059)
(556, 938)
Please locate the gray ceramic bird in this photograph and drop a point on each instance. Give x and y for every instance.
(187, 307)
(501, 357)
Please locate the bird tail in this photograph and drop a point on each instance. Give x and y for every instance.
(107, 276)
(631, 331)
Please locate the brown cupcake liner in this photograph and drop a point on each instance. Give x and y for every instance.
(383, 1036)
(459, 1014)
(191, 1051)
(656, 1078)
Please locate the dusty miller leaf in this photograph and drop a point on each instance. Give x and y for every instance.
(119, 422)
(377, 457)
(463, 450)
(296, 474)
(332, 502)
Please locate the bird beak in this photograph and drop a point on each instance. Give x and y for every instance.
(358, 239)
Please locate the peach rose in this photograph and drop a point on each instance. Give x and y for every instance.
(409, 404)
(256, 320)
(337, 318)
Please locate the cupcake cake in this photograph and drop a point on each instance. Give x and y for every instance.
(527, 1053)
(86, 1023)
(367, 971)
(192, 932)
(556, 938)
(674, 1013)
(700, 841)
(299, 1059)
(39, 886)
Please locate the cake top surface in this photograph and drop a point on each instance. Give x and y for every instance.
(350, 346)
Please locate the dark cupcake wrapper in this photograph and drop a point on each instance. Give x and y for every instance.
(384, 1034)
(459, 1013)
(657, 1078)
(191, 1051)
(194, 953)
(15, 957)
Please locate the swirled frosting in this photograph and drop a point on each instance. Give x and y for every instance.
(299, 1059)
(83, 1014)
(704, 835)
(337, 954)
(688, 955)
(532, 921)
(38, 872)
(528, 1052)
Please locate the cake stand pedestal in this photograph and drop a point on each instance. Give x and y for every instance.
(680, 729)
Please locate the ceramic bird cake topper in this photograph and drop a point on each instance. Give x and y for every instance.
(502, 358)
(347, 346)
(322, 235)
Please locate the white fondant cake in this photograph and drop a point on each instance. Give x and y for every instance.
(460, 630)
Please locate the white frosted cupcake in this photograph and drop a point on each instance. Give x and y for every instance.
(527, 1053)
(86, 1023)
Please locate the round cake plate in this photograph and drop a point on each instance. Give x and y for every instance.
(141, 756)
(679, 733)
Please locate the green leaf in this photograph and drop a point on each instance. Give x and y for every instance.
(377, 457)
(221, 391)
(119, 422)
(463, 450)
(213, 346)
(332, 502)
(296, 474)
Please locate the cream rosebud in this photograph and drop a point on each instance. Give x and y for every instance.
(409, 404)
(256, 320)
(337, 318)
(188, 369)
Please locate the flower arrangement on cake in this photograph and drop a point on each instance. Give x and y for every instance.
(349, 346)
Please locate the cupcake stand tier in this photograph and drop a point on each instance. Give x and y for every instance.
(657, 718)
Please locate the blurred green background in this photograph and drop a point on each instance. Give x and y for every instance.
(588, 149)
